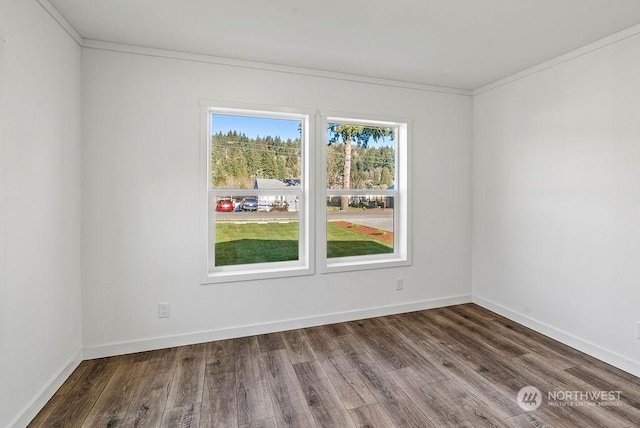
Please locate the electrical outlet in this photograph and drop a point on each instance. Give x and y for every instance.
(399, 284)
(164, 310)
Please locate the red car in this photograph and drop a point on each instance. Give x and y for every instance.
(225, 205)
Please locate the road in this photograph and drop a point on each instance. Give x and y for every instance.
(375, 217)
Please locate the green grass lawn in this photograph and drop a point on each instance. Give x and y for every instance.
(346, 242)
(275, 242)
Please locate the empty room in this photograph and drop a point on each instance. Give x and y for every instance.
(319, 214)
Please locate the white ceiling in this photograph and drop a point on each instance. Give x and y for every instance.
(461, 44)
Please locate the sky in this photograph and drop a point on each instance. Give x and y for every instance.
(254, 126)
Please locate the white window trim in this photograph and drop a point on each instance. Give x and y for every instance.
(306, 264)
(402, 194)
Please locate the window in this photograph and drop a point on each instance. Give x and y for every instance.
(365, 171)
(258, 193)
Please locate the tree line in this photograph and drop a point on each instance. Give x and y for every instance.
(237, 160)
(370, 167)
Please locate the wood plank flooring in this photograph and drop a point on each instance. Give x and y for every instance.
(458, 366)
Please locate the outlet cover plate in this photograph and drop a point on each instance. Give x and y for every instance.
(164, 310)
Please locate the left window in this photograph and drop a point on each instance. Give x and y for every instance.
(257, 193)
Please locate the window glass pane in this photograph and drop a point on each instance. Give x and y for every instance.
(262, 154)
(360, 157)
(247, 148)
(365, 228)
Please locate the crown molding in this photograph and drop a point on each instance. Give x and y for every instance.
(186, 56)
(57, 16)
(600, 44)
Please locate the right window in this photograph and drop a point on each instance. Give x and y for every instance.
(366, 198)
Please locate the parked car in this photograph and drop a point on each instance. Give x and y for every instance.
(280, 206)
(225, 205)
(249, 204)
(264, 206)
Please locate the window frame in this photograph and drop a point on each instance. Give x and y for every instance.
(305, 265)
(402, 246)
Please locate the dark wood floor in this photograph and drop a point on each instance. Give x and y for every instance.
(456, 366)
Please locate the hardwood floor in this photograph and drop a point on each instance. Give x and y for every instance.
(459, 366)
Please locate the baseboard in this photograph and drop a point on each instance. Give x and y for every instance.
(262, 328)
(609, 357)
(45, 394)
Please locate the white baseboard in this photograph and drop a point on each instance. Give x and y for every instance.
(609, 357)
(262, 328)
(45, 394)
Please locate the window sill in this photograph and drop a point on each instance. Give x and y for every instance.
(346, 265)
(256, 274)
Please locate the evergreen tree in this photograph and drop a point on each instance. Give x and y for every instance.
(385, 177)
(348, 133)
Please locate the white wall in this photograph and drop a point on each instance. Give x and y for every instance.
(141, 140)
(39, 208)
(556, 201)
